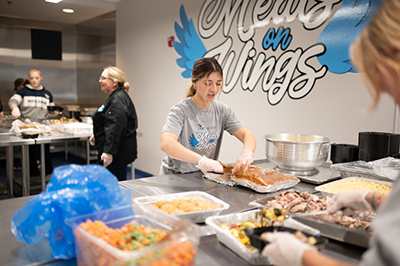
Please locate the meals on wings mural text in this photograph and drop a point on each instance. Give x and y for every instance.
(276, 65)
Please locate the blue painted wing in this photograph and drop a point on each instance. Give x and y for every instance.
(340, 33)
(190, 47)
(193, 141)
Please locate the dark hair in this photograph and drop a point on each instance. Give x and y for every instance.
(18, 82)
(202, 67)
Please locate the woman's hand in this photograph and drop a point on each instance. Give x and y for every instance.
(285, 249)
(244, 160)
(91, 140)
(15, 112)
(210, 165)
(107, 159)
(348, 202)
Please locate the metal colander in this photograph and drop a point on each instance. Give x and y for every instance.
(296, 153)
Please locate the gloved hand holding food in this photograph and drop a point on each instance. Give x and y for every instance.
(15, 112)
(107, 159)
(348, 202)
(244, 160)
(285, 249)
(210, 165)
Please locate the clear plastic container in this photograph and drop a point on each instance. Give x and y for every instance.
(180, 245)
(78, 129)
(388, 167)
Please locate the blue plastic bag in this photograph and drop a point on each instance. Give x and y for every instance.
(73, 190)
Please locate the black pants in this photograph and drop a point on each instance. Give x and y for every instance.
(120, 173)
(34, 156)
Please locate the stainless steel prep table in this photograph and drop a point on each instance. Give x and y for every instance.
(9, 141)
(58, 138)
(211, 251)
(5, 131)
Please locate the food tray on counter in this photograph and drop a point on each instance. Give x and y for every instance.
(342, 184)
(251, 256)
(195, 216)
(358, 169)
(327, 229)
(259, 179)
(19, 128)
(77, 128)
(259, 242)
(92, 250)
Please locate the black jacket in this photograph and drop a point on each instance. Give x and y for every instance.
(114, 126)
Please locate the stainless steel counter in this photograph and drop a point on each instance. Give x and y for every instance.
(5, 131)
(211, 251)
(58, 138)
(9, 140)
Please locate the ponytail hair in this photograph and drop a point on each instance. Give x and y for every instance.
(191, 90)
(116, 74)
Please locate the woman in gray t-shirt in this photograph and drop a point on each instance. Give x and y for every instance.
(192, 134)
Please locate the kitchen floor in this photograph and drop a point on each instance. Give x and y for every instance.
(58, 159)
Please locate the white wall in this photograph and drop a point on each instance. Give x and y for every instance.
(334, 107)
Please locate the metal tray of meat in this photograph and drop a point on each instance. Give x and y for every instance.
(278, 180)
(195, 216)
(219, 178)
(328, 229)
(251, 256)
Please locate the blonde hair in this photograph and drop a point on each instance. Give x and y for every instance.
(378, 45)
(34, 70)
(116, 74)
(203, 67)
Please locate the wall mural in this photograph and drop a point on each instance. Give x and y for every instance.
(279, 68)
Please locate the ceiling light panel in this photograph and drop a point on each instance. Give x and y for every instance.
(53, 1)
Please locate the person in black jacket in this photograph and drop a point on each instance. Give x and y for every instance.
(114, 124)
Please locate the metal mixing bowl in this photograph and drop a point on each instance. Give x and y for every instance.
(294, 152)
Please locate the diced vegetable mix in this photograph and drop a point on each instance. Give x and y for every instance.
(134, 236)
(237, 230)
